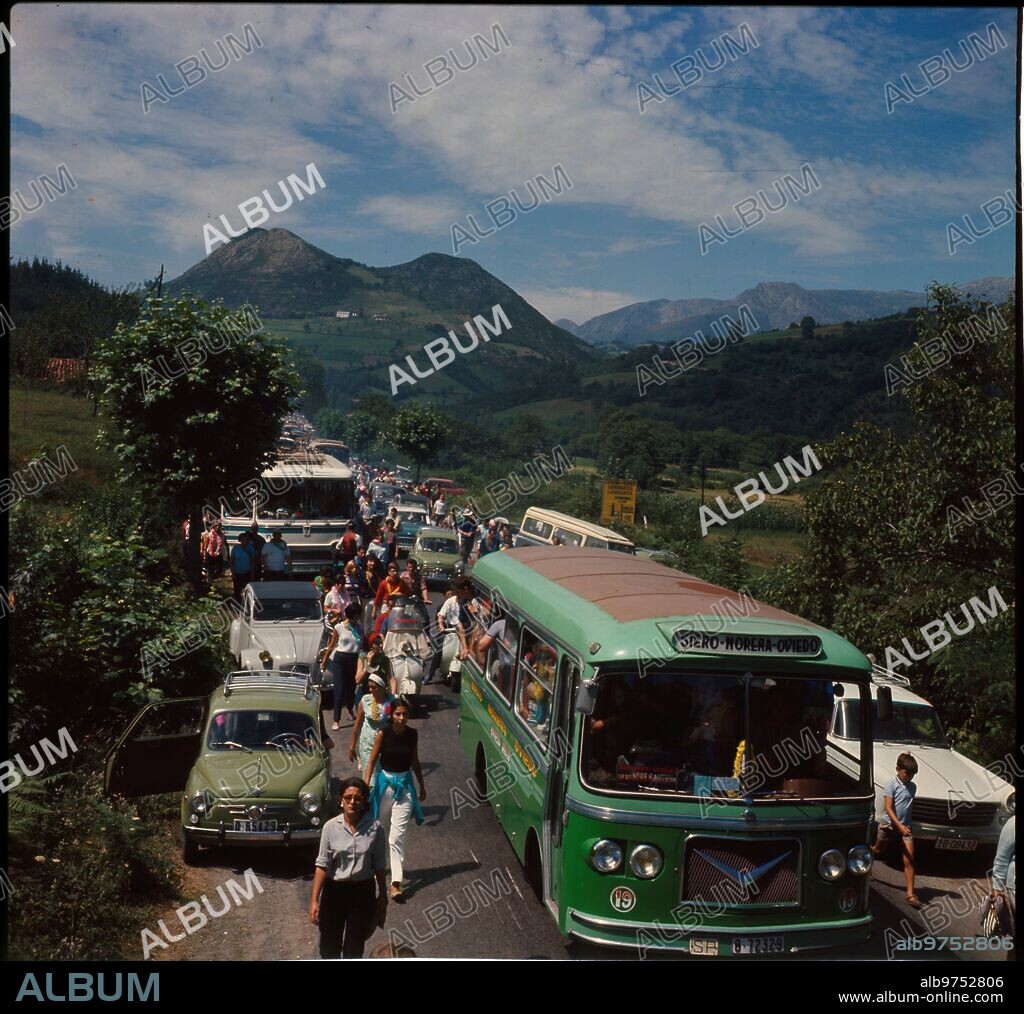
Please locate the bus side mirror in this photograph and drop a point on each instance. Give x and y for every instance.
(884, 701)
(586, 697)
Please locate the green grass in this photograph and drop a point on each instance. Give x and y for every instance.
(41, 420)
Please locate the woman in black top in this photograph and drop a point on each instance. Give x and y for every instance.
(392, 797)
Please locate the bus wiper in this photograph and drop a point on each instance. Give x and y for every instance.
(778, 794)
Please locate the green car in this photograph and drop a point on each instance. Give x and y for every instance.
(437, 552)
(411, 519)
(252, 762)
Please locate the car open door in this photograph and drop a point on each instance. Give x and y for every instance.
(158, 749)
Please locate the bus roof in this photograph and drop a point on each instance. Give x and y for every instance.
(585, 527)
(622, 603)
(307, 464)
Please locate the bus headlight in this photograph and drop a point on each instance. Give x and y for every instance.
(831, 865)
(645, 861)
(310, 802)
(859, 859)
(606, 856)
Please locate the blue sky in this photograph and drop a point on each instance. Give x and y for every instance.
(563, 91)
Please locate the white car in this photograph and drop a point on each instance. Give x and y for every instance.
(959, 805)
(281, 628)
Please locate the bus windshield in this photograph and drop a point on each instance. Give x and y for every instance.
(311, 499)
(750, 736)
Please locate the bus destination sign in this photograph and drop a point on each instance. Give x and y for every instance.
(746, 644)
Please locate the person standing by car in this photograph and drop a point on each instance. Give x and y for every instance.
(277, 558)
(392, 797)
(898, 800)
(467, 534)
(1004, 872)
(353, 854)
(215, 551)
(348, 545)
(242, 563)
(342, 656)
(440, 509)
(257, 542)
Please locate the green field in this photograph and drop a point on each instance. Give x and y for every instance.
(42, 420)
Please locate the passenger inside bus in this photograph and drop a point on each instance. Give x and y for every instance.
(538, 673)
(723, 735)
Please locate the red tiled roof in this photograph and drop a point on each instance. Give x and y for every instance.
(60, 371)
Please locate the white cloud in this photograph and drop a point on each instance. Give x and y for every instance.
(429, 215)
(576, 304)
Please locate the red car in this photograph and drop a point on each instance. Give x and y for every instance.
(447, 486)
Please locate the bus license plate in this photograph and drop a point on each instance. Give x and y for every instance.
(255, 825)
(956, 844)
(757, 945)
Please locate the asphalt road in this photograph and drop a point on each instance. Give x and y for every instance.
(467, 897)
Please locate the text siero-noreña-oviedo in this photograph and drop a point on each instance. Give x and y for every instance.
(440, 353)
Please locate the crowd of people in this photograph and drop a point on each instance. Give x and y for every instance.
(360, 590)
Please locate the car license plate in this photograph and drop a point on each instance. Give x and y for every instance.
(956, 844)
(255, 825)
(757, 945)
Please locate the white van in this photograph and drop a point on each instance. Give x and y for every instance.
(541, 527)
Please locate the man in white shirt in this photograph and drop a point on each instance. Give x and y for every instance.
(440, 508)
(277, 558)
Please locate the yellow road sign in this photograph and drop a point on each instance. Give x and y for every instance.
(618, 502)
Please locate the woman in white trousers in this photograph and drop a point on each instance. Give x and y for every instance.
(392, 796)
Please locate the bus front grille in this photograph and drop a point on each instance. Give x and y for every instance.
(741, 871)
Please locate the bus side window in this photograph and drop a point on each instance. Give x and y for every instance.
(501, 657)
(536, 684)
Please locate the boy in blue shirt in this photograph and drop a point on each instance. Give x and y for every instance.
(898, 797)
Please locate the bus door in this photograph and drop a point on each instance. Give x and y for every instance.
(558, 775)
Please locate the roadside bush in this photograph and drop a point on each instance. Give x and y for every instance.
(90, 592)
(98, 869)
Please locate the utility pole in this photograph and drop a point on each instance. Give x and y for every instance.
(702, 475)
(160, 282)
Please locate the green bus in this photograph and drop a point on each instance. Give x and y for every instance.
(656, 749)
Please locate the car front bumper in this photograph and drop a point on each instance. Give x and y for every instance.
(988, 835)
(223, 836)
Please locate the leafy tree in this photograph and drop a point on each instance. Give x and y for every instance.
(807, 327)
(419, 432)
(377, 406)
(630, 448)
(362, 430)
(195, 424)
(331, 423)
(311, 380)
(891, 546)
